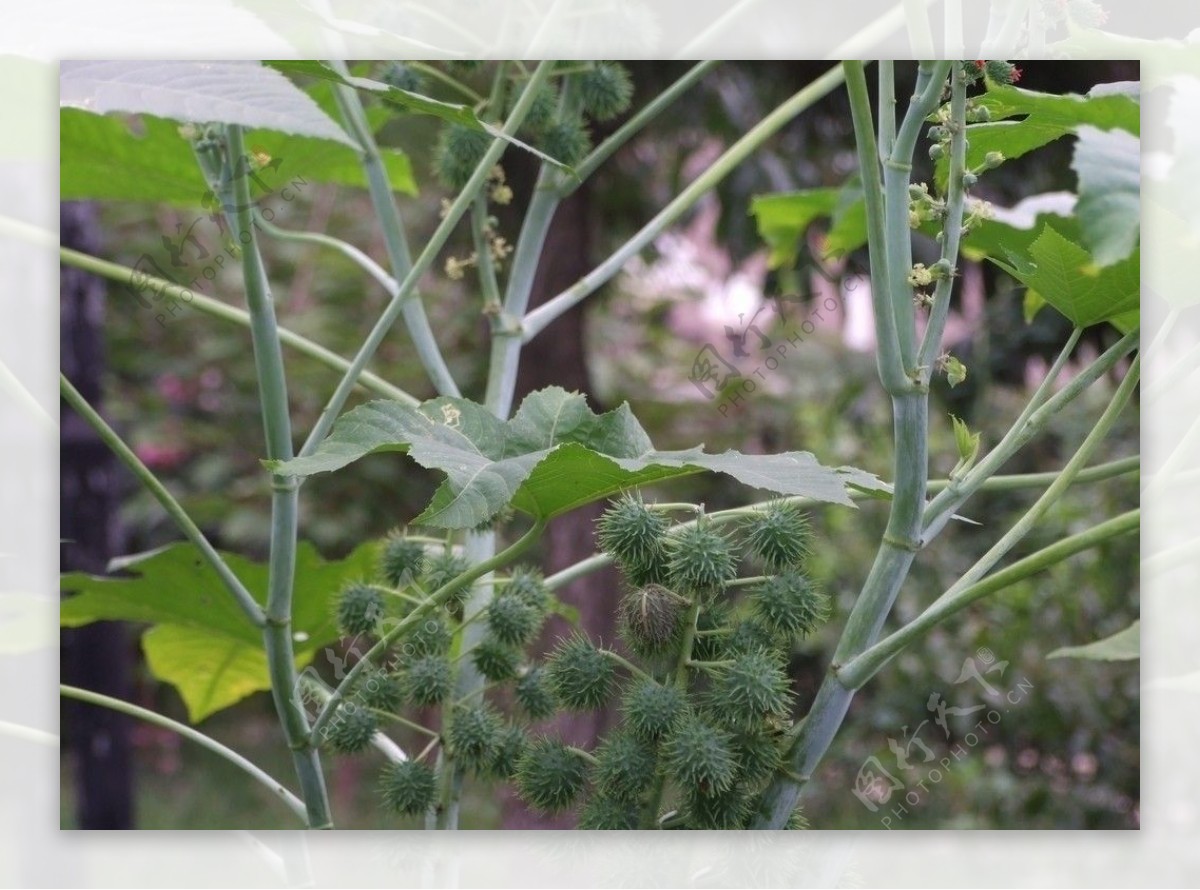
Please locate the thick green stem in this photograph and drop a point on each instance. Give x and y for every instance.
(887, 106)
(173, 508)
(217, 309)
(888, 356)
(277, 428)
(864, 665)
(273, 785)
(439, 238)
(910, 410)
(539, 318)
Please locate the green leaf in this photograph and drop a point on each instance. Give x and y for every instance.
(1124, 645)
(1108, 165)
(783, 220)
(1067, 277)
(103, 158)
(554, 455)
(414, 103)
(1044, 117)
(231, 92)
(204, 645)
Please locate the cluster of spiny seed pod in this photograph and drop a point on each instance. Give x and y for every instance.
(557, 122)
(411, 602)
(701, 690)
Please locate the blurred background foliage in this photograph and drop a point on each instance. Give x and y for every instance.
(183, 392)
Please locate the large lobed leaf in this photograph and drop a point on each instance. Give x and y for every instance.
(554, 455)
(201, 643)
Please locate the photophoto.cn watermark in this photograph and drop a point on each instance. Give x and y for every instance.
(914, 771)
(730, 381)
(197, 253)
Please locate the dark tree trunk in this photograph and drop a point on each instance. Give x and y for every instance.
(556, 357)
(95, 657)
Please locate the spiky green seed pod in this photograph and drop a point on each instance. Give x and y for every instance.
(625, 766)
(633, 534)
(360, 608)
(701, 560)
(407, 787)
(431, 636)
(510, 747)
(758, 755)
(750, 635)
(797, 821)
(533, 693)
(750, 689)
(1001, 71)
(651, 709)
(726, 809)
(715, 615)
(605, 90)
(351, 729)
(541, 112)
(580, 674)
(566, 140)
(428, 680)
(512, 619)
(603, 813)
(443, 568)
(550, 775)
(474, 735)
(495, 660)
(528, 585)
(382, 692)
(790, 604)
(459, 151)
(699, 755)
(402, 561)
(779, 536)
(651, 619)
(404, 77)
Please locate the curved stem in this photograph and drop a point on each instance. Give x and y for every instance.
(217, 309)
(95, 698)
(173, 508)
(539, 318)
(277, 429)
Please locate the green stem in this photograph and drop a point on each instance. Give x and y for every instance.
(952, 228)
(442, 234)
(380, 189)
(488, 285)
(274, 786)
(172, 507)
(585, 755)
(539, 318)
(217, 309)
(438, 598)
(887, 106)
(866, 665)
(277, 428)
(888, 355)
(897, 174)
(625, 663)
(453, 83)
(351, 252)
